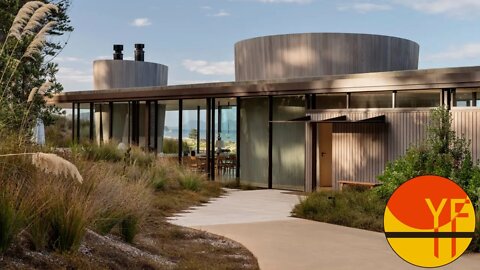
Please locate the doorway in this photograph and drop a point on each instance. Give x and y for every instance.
(324, 154)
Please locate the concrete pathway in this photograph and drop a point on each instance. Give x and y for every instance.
(260, 221)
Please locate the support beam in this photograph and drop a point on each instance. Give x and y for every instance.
(270, 142)
(92, 120)
(198, 129)
(78, 122)
(213, 140)
(148, 129)
(348, 100)
(209, 124)
(474, 99)
(219, 129)
(101, 123)
(314, 141)
(155, 128)
(129, 122)
(110, 124)
(73, 122)
(180, 127)
(237, 169)
(394, 99)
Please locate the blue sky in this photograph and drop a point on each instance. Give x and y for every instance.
(195, 38)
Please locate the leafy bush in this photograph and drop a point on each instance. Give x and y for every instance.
(95, 152)
(170, 146)
(442, 153)
(350, 208)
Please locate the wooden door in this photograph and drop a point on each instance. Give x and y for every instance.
(324, 154)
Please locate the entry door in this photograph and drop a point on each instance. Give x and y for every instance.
(324, 154)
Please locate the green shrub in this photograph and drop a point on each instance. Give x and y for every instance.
(10, 221)
(170, 146)
(95, 152)
(190, 181)
(67, 228)
(356, 209)
(442, 153)
(129, 228)
(159, 183)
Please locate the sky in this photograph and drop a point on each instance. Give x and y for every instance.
(195, 38)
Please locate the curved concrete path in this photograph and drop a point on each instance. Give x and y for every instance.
(260, 221)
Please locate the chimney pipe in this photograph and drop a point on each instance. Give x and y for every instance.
(139, 53)
(118, 49)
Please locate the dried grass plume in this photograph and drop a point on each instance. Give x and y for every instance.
(38, 42)
(23, 17)
(51, 163)
(37, 18)
(40, 90)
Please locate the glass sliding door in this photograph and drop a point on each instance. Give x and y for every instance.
(288, 143)
(254, 141)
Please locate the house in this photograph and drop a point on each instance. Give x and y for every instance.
(305, 110)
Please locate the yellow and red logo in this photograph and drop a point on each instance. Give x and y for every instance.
(429, 221)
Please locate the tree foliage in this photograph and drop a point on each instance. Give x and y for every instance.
(442, 153)
(22, 74)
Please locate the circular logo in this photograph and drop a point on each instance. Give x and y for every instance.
(429, 221)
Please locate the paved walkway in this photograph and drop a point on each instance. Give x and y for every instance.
(260, 221)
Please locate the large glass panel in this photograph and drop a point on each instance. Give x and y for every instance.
(288, 151)
(120, 123)
(371, 100)
(194, 126)
(168, 127)
(60, 133)
(254, 141)
(418, 98)
(102, 116)
(226, 138)
(467, 97)
(227, 123)
(331, 101)
(84, 122)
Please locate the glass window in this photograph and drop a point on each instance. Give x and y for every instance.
(467, 97)
(226, 123)
(331, 101)
(418, 98)
(371, 100)
(288, 143)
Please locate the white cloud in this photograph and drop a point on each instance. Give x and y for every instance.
(221, 13)
(449, 7)
(467, 51)
(62, 59)
(210, 68)
(286, 1)
(141, 22)
(364, 7)
(206, 7)
(66, 74)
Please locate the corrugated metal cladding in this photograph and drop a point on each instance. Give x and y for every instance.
(360, 151)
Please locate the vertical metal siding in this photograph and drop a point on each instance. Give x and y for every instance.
(361, 151)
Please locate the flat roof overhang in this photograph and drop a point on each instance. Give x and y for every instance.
(364, 82)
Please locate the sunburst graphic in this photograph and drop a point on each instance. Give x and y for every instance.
(429, 221)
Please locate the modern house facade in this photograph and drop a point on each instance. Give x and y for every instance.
(305, 110)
